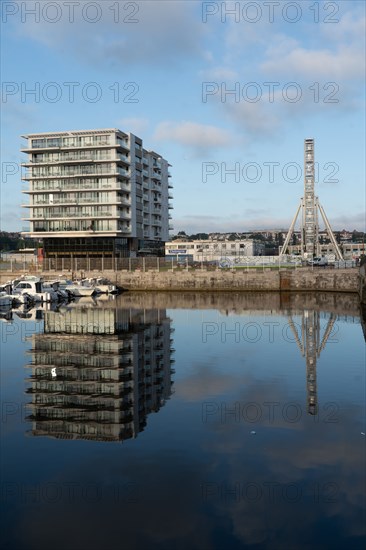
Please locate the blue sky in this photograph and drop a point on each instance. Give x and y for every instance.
(164, 70)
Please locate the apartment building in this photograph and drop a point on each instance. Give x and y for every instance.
(213, 250)
(96, 193)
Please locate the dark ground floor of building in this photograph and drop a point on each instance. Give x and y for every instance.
(101, 247)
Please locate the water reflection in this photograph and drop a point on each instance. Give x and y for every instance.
(191, 481)
(96, 373)
(310, 344)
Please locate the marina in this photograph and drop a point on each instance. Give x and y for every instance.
(31, 289)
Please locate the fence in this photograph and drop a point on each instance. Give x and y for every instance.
(159, 264)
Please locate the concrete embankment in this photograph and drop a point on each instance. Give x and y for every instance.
(326, 280)
(260, 281)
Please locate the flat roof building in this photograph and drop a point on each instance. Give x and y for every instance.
(214, 249)
(96, 193)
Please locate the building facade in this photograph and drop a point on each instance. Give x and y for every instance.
(96, 193)
(213, 250)
(350, 251)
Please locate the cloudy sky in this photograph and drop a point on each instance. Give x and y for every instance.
(227, 92)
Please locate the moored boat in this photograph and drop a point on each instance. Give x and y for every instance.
(33, 287)
(102, 285)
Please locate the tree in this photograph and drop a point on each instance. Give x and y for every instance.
(279, 239)
(199, 237)
(257, 236)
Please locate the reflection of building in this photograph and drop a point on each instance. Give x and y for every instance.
(310, 346)
(98, 373)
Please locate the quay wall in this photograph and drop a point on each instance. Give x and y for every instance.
(228, 281)
(300, 280)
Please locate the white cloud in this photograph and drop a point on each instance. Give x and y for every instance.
(346, 62)
(147, 33)
(340, 54)
(351, 27)
(200, 137)
(134, 125)
(219, 73)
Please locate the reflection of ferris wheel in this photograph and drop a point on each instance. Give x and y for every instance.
(310, 343)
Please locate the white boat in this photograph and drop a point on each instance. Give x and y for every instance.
(102, 286)
(32, 286)
(55, 286)
(66, 287)
(78, 289)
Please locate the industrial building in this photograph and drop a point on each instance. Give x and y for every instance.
(96, 193)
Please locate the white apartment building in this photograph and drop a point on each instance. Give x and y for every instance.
(96, 193)
(213, 250)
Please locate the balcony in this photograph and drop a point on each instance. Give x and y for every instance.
(122, 143)
(122, 158)
(123, 200)
(124, 215)
(79, 159)
(124, 186)
(100, 216)
(75, 173)
(123, 172)
(124, 229)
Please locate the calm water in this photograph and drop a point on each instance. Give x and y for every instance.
(184, 421)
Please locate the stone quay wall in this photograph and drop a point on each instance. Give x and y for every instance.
(260, 281)
(319, 279)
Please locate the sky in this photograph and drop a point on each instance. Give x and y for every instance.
(225, 91)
